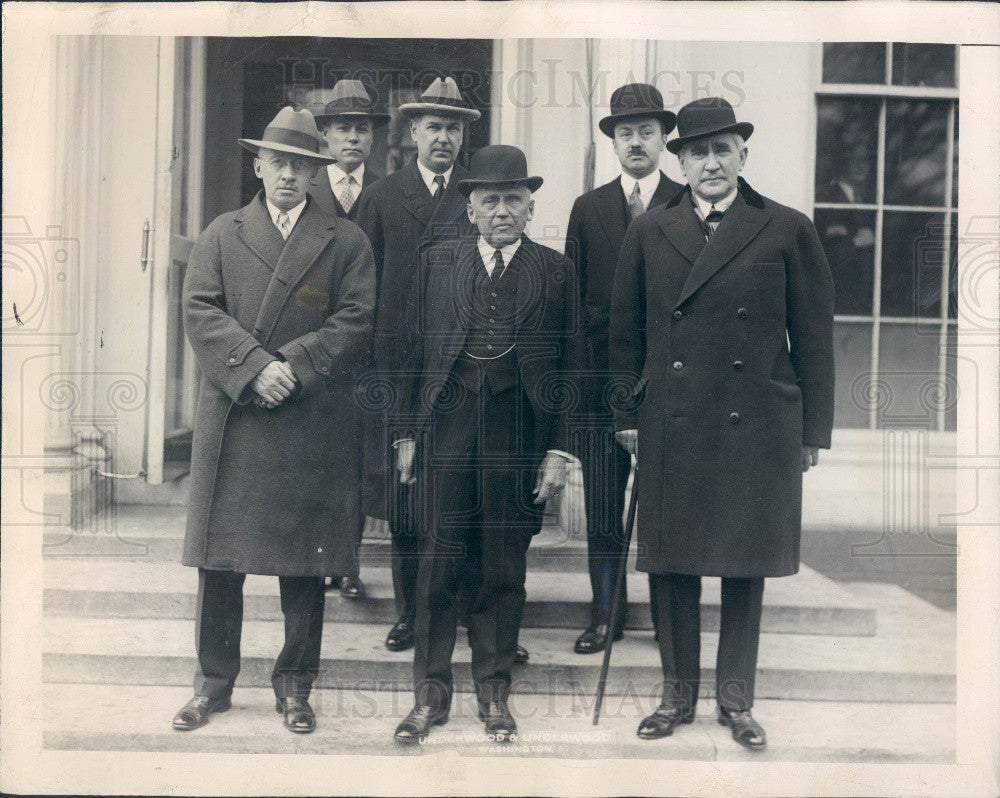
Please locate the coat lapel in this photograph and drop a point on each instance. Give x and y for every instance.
(320, 190)
(740, 225)
(450, 302)
(666, 190)
(310, 237)
(530, 282)
(613, 210)
(416, 198)
(446, 216)
(257, 231)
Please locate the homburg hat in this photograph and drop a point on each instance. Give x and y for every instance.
(442, 97)
(498, 165)
(294, 132)
(633, 101)
(706, 117)
(350, 98)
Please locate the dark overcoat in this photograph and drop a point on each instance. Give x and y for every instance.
(321, 191)
(729, 342)
(401, 219)
(276, 491)
(545, 321)
(594, 237)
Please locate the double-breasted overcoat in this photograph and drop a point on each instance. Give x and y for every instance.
(276, 491)
(729, 342)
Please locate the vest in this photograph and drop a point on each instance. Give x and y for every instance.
(488, 358)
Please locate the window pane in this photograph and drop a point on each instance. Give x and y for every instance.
(846, 149)
(954, 165)
(854, 62)
(923, 65)
(911, 388)
(916, 145)
(849, 242)
(912, 259)
(852, 352)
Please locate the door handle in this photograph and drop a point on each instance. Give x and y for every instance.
(144, 257)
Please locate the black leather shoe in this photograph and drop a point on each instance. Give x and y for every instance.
(499, 722)
(417, 724)
(400, 636)
(352, 587)
(194, 714)
(594, 639)
(331, 582)
(746, 731)
(521, 655)
(299, 716)
(663, 722)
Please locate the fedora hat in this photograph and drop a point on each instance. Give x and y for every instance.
(634, 100)
(706, 117)
(294, 132)
(350, 98)
(442, 97)
(498, 165)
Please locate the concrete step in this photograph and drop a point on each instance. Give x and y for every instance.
(806, 603)
(137, 718)
(806, 667)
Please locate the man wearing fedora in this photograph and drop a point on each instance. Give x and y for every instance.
(722, 313)
(348, 124)
(402, 215)
(278, 301)
(486, 400)
(638, 127)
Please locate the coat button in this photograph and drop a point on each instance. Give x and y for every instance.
(319, 550)
(678, 314)
(678, 365)
(737, 365)
(742, 313)
(734, 418)
(232, 360)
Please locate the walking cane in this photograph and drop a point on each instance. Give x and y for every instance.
(616, 601)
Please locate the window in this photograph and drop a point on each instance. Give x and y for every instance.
(886, 196)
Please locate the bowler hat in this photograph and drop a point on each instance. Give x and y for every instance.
(706, 117)
(291, 131)
(441, 97)
(635, 100)
(350, 98)
(498, 165)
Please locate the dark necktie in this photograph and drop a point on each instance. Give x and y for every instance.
(438, 187)
(712, 222)
(635, 205)
(497, 265)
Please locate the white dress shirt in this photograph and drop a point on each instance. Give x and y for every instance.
(293, 214)
(338, 178)
(488, 252)
(429, 176)
(704, 208)
(647, 186)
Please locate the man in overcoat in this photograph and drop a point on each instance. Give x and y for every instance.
(277, 306)
(488, 398)
(722, 312)
(638, 127)
(348, 123)
(403, 214)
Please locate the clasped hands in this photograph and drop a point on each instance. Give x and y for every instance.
(551, 473)
(273, 385)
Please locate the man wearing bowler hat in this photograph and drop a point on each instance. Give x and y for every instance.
(403, 214)
(278, 301)
(348, 124)
(638, 127)
(722, 313)
(486, 401)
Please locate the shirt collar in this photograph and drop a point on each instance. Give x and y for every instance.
(487, 250)
(337, 174)
(647, 185)
(720, 205)
(429, 176)
(293, 214)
